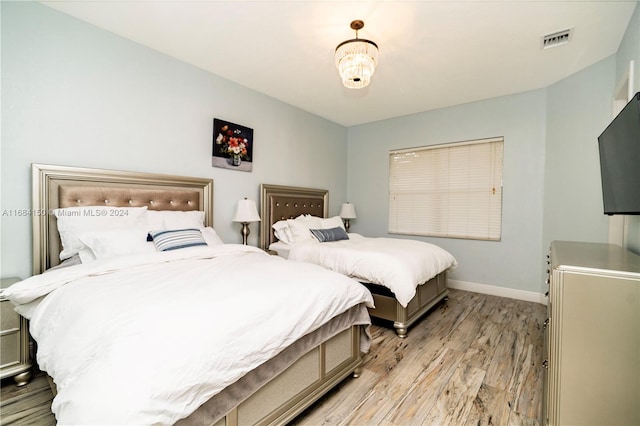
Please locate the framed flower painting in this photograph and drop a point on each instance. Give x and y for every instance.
(232, 146)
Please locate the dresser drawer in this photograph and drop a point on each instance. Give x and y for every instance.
(15, 351)
(9, 319)
(9, 349)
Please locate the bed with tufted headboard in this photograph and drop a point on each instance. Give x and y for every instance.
(275, 391)
(280, 203)
(55, 187)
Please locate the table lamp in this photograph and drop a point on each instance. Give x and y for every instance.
(246, 212)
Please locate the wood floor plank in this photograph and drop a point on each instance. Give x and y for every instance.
(527, 399)
(423, 393)
(505, 364)
(352, 393)
(482, 350)
(465, 332)
(491, 407)
(455, 403)
(29, 404)
(516, 419)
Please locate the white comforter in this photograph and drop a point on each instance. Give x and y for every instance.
(398, 264)
(148, 338)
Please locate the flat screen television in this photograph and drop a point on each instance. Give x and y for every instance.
(619, 147)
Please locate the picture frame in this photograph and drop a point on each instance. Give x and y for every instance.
(232, 146)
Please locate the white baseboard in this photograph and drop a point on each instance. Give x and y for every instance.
(529, 296)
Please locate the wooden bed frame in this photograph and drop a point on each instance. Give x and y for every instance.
(287, 202)
(303, 379)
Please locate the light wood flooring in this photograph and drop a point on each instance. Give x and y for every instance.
(473, 360)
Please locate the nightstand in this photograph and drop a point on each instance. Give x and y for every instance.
(15, 359)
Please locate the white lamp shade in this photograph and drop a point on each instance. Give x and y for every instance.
(246, 211)
(348, 211)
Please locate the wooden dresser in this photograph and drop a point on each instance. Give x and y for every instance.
(592, 336)
(15, 359)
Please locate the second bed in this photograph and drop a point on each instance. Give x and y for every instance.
(401, 303)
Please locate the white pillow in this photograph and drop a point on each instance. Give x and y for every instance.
(332, 222)
(312, 222)
(211, 237)
(175, 219)
(282, 231)
(86, 255)
(299, 231)
(116, 242)
(74, 221)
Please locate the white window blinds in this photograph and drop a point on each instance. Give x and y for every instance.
(452, 190)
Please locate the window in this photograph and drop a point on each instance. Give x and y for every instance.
(452, 190)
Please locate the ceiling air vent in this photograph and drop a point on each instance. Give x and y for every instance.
(556, 39)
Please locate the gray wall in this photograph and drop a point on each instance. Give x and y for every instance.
(75, 95)
(630, 51)
(514, 261)
(579, 108)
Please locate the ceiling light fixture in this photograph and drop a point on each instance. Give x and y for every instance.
(356, 59)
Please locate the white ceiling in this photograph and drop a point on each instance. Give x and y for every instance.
(433, 54)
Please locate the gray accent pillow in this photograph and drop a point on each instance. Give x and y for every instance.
(331, 234)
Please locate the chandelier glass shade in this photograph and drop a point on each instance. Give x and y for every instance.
(356, 59)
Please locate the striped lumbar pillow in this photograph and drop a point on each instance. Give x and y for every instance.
(173, 239)
(331, 234)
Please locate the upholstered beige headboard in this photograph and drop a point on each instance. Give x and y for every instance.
(287, 202)
(61, 186)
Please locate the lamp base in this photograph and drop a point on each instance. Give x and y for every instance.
(245, 232)
(346, 224)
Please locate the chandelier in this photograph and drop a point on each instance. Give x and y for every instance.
(356, 59)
